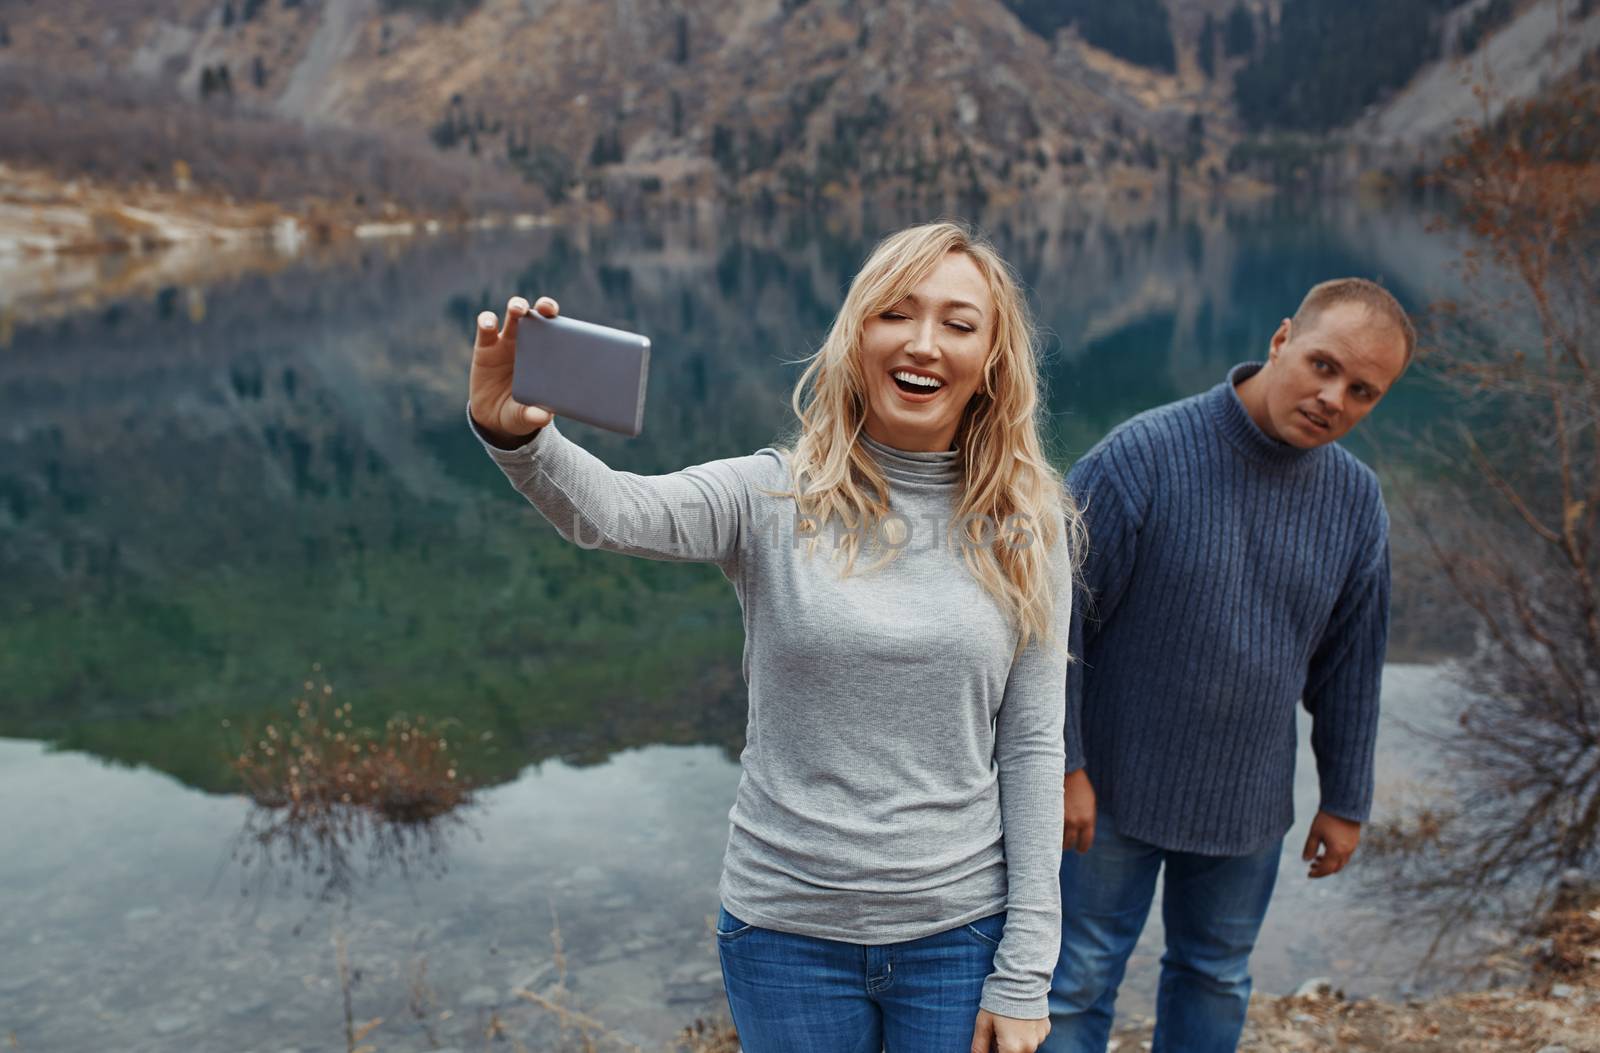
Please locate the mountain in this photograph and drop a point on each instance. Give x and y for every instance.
(785, 99)
(638, 103)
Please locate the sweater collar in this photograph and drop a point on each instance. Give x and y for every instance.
(1240, 429)
(939, 468)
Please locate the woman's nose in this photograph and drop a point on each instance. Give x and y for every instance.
(923, 342)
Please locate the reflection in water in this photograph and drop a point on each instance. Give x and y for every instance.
(288, 478)
(332, 801)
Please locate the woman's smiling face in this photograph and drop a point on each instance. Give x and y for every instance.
(923, 358)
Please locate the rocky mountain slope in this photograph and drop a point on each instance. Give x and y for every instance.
(788, 98)
(633, 102)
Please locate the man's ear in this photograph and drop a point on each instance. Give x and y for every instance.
(1279, 338)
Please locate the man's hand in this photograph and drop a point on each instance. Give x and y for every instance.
(1077, 828)
(1004, 1034)
(1336, 839)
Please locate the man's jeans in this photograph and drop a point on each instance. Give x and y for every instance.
(800, 994)
(1212, 907)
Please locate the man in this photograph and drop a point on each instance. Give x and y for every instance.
(1238, 563)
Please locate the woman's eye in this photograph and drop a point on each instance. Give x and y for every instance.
(960, 327)
(892, 316)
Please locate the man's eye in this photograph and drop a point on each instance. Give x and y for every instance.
(1319, 365)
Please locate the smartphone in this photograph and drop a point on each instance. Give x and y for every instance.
(581, 370)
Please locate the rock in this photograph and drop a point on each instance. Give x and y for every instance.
(481, 997)
(1553, 1049)
(684, 973)
(248, 1006)
(529, 979)
(1574, 878)
(1302, 1019)
(1562, 991)
(172, 1023)
(693, 982)
(1318, 987)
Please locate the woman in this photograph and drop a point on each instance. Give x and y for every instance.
(891, 875)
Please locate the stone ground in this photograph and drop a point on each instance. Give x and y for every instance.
(1557, 1012)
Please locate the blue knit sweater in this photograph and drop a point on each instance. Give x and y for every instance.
(1229, 576)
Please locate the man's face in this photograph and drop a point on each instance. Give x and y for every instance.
(1324, 378)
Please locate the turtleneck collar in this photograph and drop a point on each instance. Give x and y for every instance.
(1240, 429)
(938, 468)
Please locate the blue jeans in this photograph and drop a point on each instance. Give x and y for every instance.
(1212, 907)
(800, 994)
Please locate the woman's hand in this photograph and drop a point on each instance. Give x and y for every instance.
(504, 420)
(1004, 1034)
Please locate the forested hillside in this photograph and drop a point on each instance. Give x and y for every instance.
(1323, 64)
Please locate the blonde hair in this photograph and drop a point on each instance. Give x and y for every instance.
(1004, 471)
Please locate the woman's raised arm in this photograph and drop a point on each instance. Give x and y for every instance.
(699, 514)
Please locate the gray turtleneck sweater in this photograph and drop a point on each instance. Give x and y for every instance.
(902, 765)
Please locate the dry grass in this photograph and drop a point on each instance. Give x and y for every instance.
(319, 764)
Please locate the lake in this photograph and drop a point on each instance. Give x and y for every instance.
(214, 495)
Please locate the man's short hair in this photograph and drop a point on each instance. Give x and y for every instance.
(1374, 297)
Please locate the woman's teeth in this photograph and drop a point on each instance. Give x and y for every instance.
(919, 380)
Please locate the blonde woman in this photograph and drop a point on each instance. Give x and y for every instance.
(891, 875)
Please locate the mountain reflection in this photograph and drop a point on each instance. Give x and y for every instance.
(194, 500)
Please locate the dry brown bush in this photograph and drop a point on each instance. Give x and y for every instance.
(1511, 516)
(326, 789)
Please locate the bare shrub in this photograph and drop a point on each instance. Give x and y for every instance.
(1510, 517)
(325, 790)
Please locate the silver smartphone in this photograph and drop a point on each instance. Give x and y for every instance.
(581, 370)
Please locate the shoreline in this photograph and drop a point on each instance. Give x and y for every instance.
(64, 243)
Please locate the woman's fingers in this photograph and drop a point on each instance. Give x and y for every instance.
(488, 331)
(983, 1033)
(547, 307)
(516, 307)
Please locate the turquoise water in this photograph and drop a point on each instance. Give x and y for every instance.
(206, 494)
